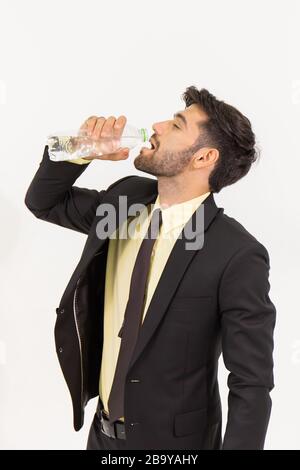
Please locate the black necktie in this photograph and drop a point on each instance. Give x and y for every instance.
(132, 317)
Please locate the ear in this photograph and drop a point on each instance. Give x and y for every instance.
(206, 157)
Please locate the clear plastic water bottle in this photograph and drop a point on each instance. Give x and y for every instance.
(75, 145)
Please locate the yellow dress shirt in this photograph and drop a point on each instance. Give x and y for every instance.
(121, 257)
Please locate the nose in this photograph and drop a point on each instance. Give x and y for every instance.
(158, 127)
(155, 127)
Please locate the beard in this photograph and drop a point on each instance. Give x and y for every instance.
(164, 163)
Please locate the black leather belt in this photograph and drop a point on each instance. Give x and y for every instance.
(115, 430)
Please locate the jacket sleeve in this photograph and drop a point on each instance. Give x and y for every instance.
(247, 322)
(52, 196)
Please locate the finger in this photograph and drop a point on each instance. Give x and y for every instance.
(91, 125)
(120, 154)
(119, 127)
(98, 127)
(107, 129)
(84, 126)
(88, 126)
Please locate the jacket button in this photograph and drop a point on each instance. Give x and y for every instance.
(62, 310)
(134, 424)
(60, 349)
(134, 380)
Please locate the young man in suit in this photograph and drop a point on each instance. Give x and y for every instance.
(144, 319)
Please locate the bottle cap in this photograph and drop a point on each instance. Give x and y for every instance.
(145, 134)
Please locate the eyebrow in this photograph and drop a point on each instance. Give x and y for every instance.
(180, 116)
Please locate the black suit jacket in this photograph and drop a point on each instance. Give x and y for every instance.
(209, 300)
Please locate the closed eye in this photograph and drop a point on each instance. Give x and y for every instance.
(176, 126)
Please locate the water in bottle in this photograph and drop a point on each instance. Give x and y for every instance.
(74, 145)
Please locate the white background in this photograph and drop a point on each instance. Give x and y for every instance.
(62, 61)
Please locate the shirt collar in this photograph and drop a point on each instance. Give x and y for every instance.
(177, 214)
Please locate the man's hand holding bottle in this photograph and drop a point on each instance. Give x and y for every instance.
(105, 130)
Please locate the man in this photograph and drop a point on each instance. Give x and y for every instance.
(144, 319)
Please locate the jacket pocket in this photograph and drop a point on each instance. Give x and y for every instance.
(190, 422)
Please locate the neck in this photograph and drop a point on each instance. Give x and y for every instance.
(172, 191)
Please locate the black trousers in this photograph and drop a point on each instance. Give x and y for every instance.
(97, 440)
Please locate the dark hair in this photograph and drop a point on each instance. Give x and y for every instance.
(227, 130)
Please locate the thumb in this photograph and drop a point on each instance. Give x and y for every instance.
(120, 154)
